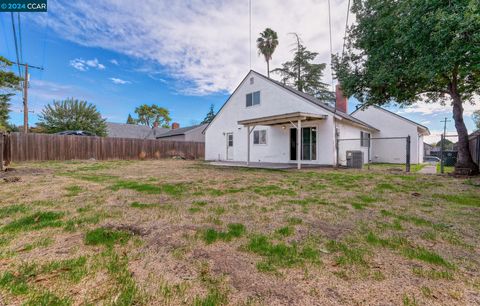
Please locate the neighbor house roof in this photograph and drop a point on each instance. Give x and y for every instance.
(474, 134)
(401, 117)
(122, 130)
(181, 131)
(305, 97)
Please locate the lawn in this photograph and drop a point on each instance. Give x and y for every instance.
(186, 233)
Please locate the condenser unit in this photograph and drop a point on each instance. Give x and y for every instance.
(355, 159)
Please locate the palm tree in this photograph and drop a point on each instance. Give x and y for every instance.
(266, 44)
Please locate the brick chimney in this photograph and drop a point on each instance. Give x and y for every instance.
(175, 125)
(341, 102)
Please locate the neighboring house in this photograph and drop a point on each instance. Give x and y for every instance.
(190, 133)
(390, 124)
(427, 149)
(474, 142)
(122, 130)
(263, 119)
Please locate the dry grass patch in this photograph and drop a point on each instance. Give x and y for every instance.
(183, 232)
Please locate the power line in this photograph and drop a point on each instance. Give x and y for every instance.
(346, 27)
(331, 45)
(250, 29)
(20, 37)
(16, 45)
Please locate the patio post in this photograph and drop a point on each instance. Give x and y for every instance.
(299, 143)
(248, 145)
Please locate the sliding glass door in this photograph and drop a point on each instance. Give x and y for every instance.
(308, 143)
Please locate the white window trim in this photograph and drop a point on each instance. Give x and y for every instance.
(366, 139)
(266, 138)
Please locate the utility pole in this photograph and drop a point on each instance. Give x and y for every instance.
(25, 101)
(25, 94)
(442, 152)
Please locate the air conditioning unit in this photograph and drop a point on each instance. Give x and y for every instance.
(355, 159)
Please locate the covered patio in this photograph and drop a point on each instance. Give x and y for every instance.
(294, 119)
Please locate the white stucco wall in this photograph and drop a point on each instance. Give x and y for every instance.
(390, 125)
(275, 100)
(347, 131)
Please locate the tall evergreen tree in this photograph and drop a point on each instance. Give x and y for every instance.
(407, 51)
(303, 74)
(130, 120)
(72, 114)
(210, 115)
(266, 44)
(9, 83)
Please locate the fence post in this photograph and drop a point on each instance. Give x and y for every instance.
(407, 166)
(337, 147)
(442, 150)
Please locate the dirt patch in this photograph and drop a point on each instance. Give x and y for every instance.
(331, 231)
(9, 172)
(131, 228)
(12, 179)
(243, 276)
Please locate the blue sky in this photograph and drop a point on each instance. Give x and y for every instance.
(182, 55)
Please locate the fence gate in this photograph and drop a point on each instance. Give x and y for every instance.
(378, 152)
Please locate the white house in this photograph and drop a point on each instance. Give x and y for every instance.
(393, 125)
(266, 121)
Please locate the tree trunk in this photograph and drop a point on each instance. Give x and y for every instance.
(268, 68)
(464, 158)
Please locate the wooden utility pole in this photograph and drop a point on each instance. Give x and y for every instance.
(25, 94)
(25, 100)
(442, 152)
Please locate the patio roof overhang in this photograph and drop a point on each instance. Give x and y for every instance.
(282, 119)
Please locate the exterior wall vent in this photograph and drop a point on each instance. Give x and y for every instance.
(252, 80)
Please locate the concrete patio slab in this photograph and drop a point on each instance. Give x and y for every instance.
(264, 165)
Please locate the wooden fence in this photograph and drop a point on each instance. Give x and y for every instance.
(19, 147)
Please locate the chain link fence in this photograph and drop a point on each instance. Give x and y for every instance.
(378, 153)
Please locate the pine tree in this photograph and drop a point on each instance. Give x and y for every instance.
(303, 74)
(210, 115)
(130, 120)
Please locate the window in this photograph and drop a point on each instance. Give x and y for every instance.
(253, 99)
(365, 139)
(260, 137)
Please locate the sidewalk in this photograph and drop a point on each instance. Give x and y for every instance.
(428, 169)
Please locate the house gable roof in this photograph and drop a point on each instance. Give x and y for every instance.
(398, 116)
(181, 131)
(122, 130)
(303, 95)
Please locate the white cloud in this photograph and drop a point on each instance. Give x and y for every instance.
(203, 44)
(119, 81)
(114, 61)
(435, 136)
(437, 108)
(84, 65)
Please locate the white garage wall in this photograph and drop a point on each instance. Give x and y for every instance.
(347, 131)
(390, 125)
(275, 100)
